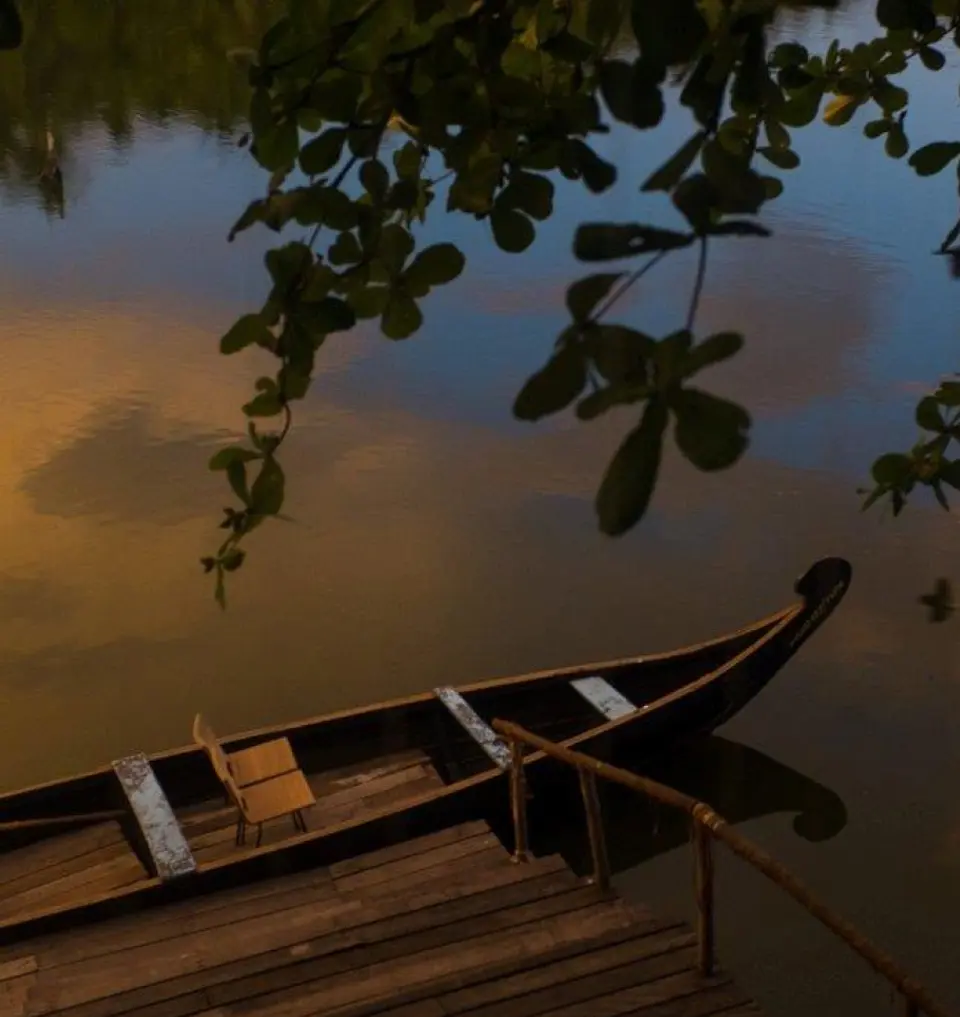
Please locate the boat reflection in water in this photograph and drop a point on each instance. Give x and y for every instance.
(737, 781)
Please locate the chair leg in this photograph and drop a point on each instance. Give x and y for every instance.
(241, 832)
(303, 820)
(259, 833)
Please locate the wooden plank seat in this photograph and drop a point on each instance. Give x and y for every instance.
(272, 794)
(169, 850)
(603, 697)
(471, 721)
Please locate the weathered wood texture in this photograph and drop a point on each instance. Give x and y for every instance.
(434, 927)
(169, 851)
(76, 865)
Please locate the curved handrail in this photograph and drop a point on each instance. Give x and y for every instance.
(706, 823)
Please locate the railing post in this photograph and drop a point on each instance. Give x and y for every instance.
(518, 801)
(598, 844)
(703, 861)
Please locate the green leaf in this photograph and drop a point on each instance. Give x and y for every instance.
(287, 264)
(276, 147)
(267, 491)
(932, 58)
(396, 243)
(553, 387)
(331, 314)
(335, 95)
(11, 27)
(237, 479)
(666, 177)
(890, 97)
(584, 295)
(841, 108)
(789, 54)
(375, 179)
(694, 197)
(597, 173)
(338, 211)
(435, 265)
(406, 161)
(247, 331)
(512, 230)
(631, 97)
(948, 394)
(401, 317)
(267, 403)
(876, 128)
(896, 145)
(624, 494)
(733, 185)
(222, 458)
(934, 157)
(892, 469)
(621, 354)
(530, 193)
(346, 250)
(323, 152)
(712, 350)
(369, 302)
(777, 134)
(711, 432)
(602, 241)
(782, 158)
(232, 559)
(929, 416)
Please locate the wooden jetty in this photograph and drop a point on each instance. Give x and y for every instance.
(441, 925)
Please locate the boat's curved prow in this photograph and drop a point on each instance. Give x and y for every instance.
(823, 578)
(822, 587)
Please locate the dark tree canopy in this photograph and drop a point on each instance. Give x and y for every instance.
(497, 100)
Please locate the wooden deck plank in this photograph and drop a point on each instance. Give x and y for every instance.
(558, 973)
(379, 977)
(442, 926)
(416, 863)
(665, 955)
(291, 938)
(666, 983)
(392, 896)
(276, 894)
(725, 999)
(558, 956)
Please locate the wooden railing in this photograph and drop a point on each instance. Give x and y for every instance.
(706, 826)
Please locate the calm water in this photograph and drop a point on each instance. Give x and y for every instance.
(436, 540)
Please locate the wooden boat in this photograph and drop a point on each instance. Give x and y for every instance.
(80, 849)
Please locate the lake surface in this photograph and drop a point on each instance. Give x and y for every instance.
(436, 540)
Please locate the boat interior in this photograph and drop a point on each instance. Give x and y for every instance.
(353, 764)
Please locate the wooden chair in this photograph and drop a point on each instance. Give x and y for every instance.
(285, 795)
(246, 766)
(264, 782)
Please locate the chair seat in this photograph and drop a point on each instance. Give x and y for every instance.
(260, 762)
(278, 796)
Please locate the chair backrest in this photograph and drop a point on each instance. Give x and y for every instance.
(203, 735)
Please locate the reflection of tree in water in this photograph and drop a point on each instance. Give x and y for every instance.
(112, 62)
(739, 782)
